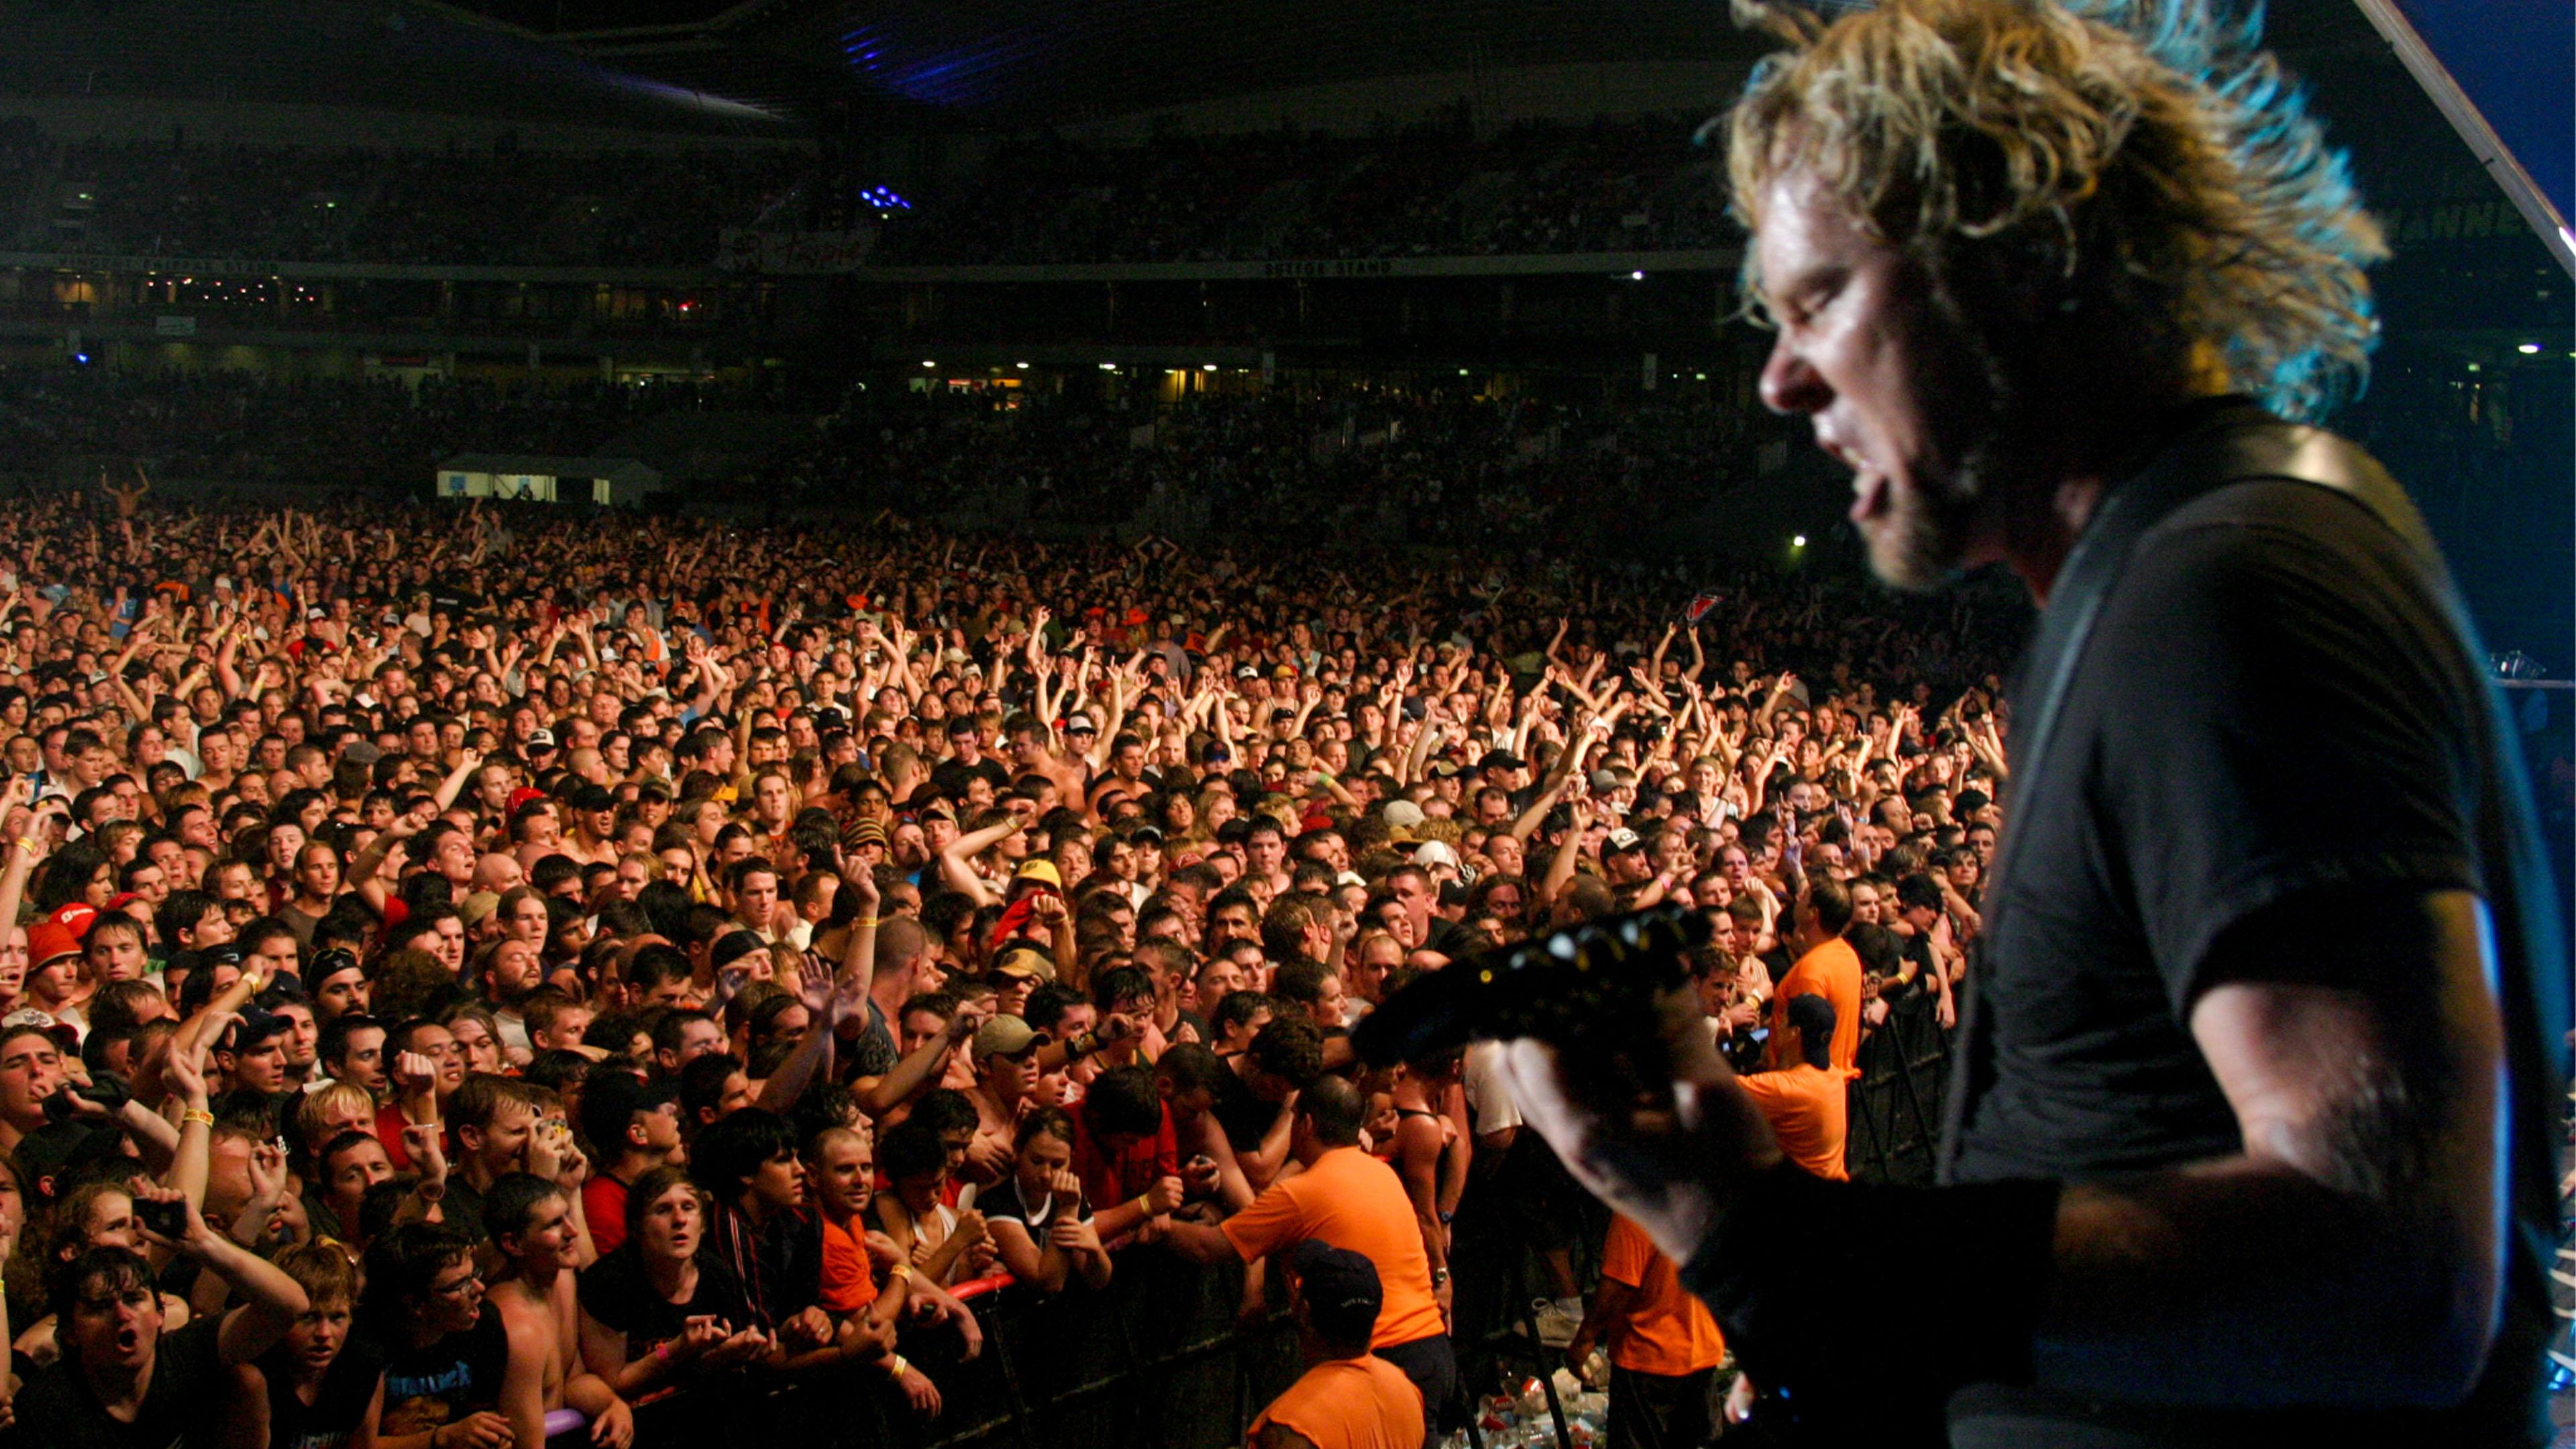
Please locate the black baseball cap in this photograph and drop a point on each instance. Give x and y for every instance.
(1340, 1288)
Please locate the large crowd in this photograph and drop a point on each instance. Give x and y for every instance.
(472, 966)
(1428, 468)
(1430, 189)
(249, 428)
(1425, 466)
(499, 205)
(1424, 190)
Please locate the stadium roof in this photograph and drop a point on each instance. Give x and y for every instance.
(396, 55)
(777, 66)
(1016, 63)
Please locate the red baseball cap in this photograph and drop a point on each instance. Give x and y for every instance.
(48, 940)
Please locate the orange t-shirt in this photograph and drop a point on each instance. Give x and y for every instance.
(1350, 1200)
(1350, 1403)
(849, 1280)
(1831, 971)
(1806, 1107)
(1666, 1330)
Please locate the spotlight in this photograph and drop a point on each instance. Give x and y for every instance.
(1207, 367)
(926, 362)
(2529, 349)
(1022, 366)
(1636, 276)
(1797, 540)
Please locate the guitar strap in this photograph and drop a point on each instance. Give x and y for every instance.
(2226, 442)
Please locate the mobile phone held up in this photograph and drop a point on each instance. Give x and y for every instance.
(169, 1219)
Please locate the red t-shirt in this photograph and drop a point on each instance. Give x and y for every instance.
(1110, 1178)
(390, 1123)
(603, 1207)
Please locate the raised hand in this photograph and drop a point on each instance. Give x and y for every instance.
(421, 1142)
(415, 1073)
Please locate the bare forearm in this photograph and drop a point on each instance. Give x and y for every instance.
(907, 1076)
(788, 1082)
(1197, 1242)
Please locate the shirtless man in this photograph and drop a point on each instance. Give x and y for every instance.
(537, 1226)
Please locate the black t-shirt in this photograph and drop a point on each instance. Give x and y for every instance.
(2273, 701)
(617, 1291)
(462, 1207)
(57, 1410)
(1240, 1112)
(2250, 722)
(951, 776)
(326, 1423)
(1914, 951)
(457, 1376)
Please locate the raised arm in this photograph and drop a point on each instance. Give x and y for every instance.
(1560, 867)
(954, 855)
(270, 1300)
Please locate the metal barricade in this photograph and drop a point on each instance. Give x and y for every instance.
(1161, 1356)
(1895, 1106)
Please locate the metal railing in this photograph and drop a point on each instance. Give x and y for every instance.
(1895, 1107)
(1161, 1356)
(1167, 1355)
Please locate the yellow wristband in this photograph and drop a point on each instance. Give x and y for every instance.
(26, 845)
(897, 1366)
(899, 1273)
(192, 1117)
(869, 922)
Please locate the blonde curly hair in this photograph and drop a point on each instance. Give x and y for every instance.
(2138, 165)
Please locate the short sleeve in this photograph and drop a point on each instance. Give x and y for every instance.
(1274, 1220)
(1625, 1257)
(2282, 721)
(848, 1282)
(1765, 1090)
(1000, 1201)
(1489, 1102)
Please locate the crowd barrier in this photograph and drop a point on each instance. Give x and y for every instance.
(1895, 1106)
(1161, 1356)
(1167, 1354)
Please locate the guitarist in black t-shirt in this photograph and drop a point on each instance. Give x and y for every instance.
(2251, 1139)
